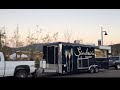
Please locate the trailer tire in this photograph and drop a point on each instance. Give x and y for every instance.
(21, 74)
(96, 69)
(91, 70)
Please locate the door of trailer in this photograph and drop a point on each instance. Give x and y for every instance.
(51, 56)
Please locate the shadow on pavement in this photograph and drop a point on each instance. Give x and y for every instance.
(54, 75)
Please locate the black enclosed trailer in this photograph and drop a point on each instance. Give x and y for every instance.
(62, 57)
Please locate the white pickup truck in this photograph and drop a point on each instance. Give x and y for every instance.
(20, 69)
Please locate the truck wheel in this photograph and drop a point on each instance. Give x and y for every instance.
(21, 74)
(91, 70)
(118, 66)
(96, 70)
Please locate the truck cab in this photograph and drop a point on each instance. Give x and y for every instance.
(114, 61)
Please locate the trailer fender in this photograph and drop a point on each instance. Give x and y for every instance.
(92, 66)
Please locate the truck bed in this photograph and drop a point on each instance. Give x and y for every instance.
(10, 66)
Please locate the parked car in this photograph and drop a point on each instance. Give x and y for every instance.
(114, 61)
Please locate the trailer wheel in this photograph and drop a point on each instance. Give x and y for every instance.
(117, 66)
(91, 70)
(21, 74)
(96, 69)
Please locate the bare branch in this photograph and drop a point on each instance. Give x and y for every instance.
(67, 35)
(55, 36)
(38, 33)
(47, 38)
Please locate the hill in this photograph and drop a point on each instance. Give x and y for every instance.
(38, 47)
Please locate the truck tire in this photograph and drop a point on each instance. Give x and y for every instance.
(21, 74)
(117, 66)
(96, 69)
(91, 70)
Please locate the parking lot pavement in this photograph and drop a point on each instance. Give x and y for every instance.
(105, 73)
(102, 73)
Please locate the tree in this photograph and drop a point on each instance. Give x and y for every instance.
(2, 36)
(34, 37)
(30, 39)
(12, 42)
(38, 34)
(5, 39)
(3, 43)
(15, 39)
(55, 36)
(67, 35)
(47, 39)
(20, 44)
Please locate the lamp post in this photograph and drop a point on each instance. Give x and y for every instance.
(102, 35)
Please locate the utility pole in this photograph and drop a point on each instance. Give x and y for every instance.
(102, 35)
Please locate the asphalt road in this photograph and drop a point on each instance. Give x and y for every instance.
(102, 73)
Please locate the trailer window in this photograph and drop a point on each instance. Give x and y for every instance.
(100, 53)
(79, 63)
(82, 62)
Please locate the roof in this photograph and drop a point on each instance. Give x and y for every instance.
(105, 47)
(70, 44)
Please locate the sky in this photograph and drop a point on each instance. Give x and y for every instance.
(83, 24)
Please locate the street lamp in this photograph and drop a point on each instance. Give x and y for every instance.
(102, 35)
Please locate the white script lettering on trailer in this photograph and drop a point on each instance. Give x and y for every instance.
(83, 53)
